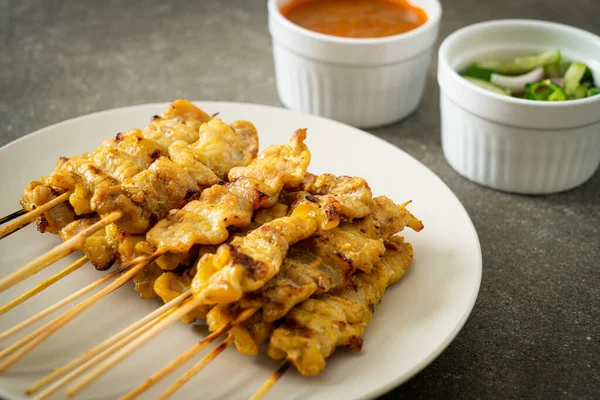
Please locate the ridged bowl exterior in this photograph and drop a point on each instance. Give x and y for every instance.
(366, 82)
(519, 160)
(360, 96)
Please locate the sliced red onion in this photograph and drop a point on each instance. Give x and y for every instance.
(559, 81)
(516, 84)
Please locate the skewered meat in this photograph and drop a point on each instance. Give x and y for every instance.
(245, 265)
(205, 221)
(102, 248)
(37, 194)
(313, 329)
(169, 285)
(311, 267)
(170, 183)
(133, 173)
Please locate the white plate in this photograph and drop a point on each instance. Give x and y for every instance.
(418, 318)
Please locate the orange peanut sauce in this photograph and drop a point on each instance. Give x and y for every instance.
(355, 18)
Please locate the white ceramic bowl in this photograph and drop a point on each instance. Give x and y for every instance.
(512, 144)
(362, 82)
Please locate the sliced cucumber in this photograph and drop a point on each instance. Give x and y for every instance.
(580, 92)
(488, 86)
(573, 77)
(521, 65)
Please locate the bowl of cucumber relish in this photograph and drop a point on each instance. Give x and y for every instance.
(520, 105)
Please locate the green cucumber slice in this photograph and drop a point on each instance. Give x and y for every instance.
(521, 65)
(580, 92)
(573, 77)
(488, 86)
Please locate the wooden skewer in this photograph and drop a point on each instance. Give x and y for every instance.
(48, 282)
(196, 368)
(30, 216)
(188, 355)
(97, 359)
(45, 331)
(262, 391)
(12, 216)
(110, 344)
(48, 311)
(134, 345)
(60, 251)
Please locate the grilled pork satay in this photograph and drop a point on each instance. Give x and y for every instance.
(221, 205)
(38, 193)
(333, 256)
(139, 176)
(180, 122)
(205, 221)
(247, 263)
(165, 185)
(218, 201)
(102, 248)
(220, 146)
(313, 329)
(155, 282)
(311, 267)
(309, 270)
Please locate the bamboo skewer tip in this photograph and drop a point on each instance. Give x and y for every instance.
(28, 217)
(195, 369)
(12, 216)
(272, 380)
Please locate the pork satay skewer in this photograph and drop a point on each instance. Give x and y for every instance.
(119, 158)
(351, 308)
(174, 182)
(304, 274)
(122, 159)
(309, 335)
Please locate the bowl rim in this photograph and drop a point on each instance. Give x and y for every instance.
(503, 23)
(433, 19)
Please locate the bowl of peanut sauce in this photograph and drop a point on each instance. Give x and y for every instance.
(361, 62)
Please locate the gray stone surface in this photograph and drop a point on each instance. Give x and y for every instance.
(534, 331)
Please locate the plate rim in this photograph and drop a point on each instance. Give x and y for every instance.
(391, 383)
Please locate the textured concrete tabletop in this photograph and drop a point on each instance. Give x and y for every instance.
(535, 329)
